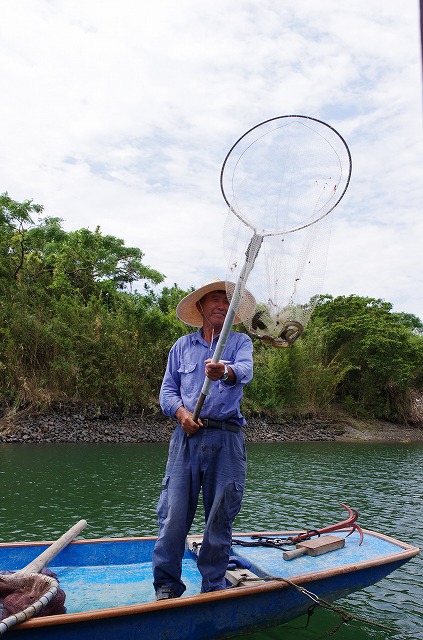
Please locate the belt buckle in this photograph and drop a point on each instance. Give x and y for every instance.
(205, 422)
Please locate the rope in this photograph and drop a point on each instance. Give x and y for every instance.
(345, 615)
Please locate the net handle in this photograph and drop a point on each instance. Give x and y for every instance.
(51, 552)
(252, 252)
(250, 257)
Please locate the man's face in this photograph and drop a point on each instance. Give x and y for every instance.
(214, 306)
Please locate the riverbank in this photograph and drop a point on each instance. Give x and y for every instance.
(107, 427)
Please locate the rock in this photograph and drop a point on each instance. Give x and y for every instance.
(94, 426)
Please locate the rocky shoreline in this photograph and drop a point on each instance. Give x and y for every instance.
(108, 427)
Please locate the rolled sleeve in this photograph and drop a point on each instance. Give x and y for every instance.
(243, 361)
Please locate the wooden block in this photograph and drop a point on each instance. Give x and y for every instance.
(315, 547)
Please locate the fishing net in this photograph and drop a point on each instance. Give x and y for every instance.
(280, 180)
(34, 589)
(18, 593)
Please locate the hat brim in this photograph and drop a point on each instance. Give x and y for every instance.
(189, 314)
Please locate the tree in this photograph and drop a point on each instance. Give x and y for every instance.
(15, 217)
(87, 262)
(384, 356)
(83, 262)
(66, 321)
(411, 321)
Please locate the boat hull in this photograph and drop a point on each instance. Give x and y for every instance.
(111, 567)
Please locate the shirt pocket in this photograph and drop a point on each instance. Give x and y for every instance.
(187, 371)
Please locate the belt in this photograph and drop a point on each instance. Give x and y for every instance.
(208, 423)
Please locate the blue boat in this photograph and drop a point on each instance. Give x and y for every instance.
(109, 592)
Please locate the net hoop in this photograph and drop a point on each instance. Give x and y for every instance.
(50, 587)
(304, 120)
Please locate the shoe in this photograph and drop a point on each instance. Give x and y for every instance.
(164, 592)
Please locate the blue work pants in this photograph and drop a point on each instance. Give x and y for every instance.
(215, 461)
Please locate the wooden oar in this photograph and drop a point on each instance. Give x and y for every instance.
(51, 552)
(50, 586)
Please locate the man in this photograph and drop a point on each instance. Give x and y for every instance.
(208, 454)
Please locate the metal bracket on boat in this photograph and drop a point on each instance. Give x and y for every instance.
(238, 577)
(193, 543)
(264, 541)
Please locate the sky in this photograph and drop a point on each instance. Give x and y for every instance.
(120, 113)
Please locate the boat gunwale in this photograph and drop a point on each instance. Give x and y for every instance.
(270, 584)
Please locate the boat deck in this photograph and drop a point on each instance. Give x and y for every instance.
(94, 580)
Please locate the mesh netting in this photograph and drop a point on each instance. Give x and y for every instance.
(280, 180)
(287, 277)
(19, 592)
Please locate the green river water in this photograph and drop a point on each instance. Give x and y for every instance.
(46, 488)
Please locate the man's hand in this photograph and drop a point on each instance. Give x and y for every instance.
(215, 370)
(187, 423)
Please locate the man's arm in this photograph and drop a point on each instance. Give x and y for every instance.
(170, 395)
(242, 366)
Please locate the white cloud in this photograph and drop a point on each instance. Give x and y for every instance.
(119, 113)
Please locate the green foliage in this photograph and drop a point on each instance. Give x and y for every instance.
(86, 262)
(14, 218)
(355, 353)
(384, 356)
(68, 330)
(411, 321)
(71, 330)
(296, 380)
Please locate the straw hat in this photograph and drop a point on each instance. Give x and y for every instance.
(187, 308)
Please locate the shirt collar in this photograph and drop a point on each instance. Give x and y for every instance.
(198, 337)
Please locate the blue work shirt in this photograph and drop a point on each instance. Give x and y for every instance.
(185, 374)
